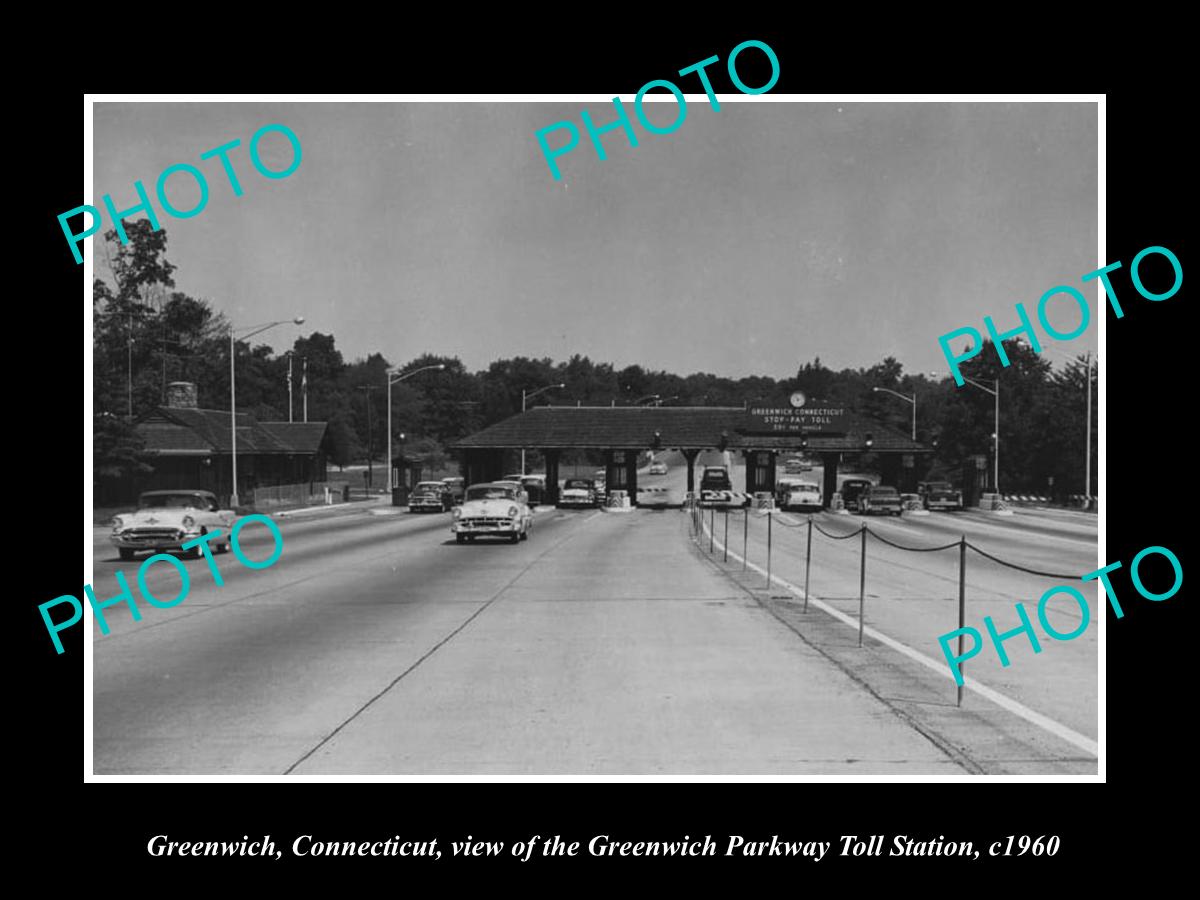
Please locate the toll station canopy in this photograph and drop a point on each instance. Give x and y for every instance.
(760, 431)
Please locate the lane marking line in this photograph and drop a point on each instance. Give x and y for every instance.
(1083, 742)
(434, 649)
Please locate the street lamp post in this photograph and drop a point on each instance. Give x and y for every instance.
(526, 395)
(907, 399)
(996, 436)
(1090, 362)
(234, 499)
(392, 378)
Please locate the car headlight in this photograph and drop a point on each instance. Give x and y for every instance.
(513, 512)
(118, 523)
(457, 513)
(188, 522)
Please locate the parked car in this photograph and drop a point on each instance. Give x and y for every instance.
(430, 495)
(165, 520)
(796, 466)
(579, 492)
(658, 467)
(880, 498)
(458, 488)
(496, 509)
(851, 489)
(801, 495)
(939, 495)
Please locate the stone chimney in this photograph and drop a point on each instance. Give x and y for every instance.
(181, 395)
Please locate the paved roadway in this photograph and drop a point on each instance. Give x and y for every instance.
(607, 643)
(912, 597)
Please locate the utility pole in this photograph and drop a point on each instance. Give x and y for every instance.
(304, 384)
(289, 356)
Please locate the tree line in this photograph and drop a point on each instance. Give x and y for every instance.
(147, 334)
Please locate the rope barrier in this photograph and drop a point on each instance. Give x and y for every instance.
(836, 537)
(996, 559)
(884, 540)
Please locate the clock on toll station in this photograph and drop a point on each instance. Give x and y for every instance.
(797, 399)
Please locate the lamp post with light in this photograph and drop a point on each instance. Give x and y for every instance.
(1089, 363)
(250, 331)
(907, 399)
(392, 378)
(528, 395)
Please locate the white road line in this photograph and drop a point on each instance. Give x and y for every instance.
(1083, 742)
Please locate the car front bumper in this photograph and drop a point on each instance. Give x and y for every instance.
(172, 541)
(507, 527)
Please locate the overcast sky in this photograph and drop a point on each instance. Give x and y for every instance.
(749, 241)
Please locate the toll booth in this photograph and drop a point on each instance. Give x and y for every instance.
(975, 479)
(620, 472)
(760, 471)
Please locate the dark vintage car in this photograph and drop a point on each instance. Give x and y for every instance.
(579, 492)
(851, 489)
(880, 498)
(429, 496)
(457, 487)
(716, 488)
(939, 495)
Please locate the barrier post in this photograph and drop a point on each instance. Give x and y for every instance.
(769, 518)
(862, 583)
(807, 562)
(962, 604)
(726, 559)
(712, 530)
(745, 535)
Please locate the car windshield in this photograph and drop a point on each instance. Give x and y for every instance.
(578, 483)
(491, 492)
(172, 501)
(883, 490)
(938, 486)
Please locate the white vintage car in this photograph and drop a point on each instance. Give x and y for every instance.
(795, 494)
(498, 509)
(165, 520)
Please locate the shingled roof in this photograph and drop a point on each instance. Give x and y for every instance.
(185, 431)
(627, 427)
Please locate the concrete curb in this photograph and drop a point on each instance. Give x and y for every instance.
(320, 510)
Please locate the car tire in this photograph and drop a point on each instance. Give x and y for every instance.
(126, 553)
(461, 538)
(513, 538)
(525, 535)
(196, 552)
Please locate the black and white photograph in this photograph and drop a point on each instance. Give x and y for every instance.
(683, 436)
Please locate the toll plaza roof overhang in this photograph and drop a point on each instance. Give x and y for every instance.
(678, 427)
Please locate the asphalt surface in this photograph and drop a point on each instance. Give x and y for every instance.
(605, 644)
